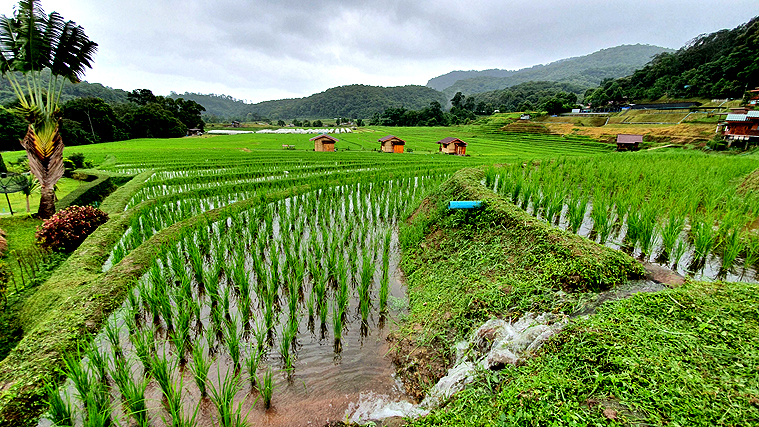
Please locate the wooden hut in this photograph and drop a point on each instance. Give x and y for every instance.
(742, 128)
(452, 145)
(324, 142)
(392, 144)
(628, 142)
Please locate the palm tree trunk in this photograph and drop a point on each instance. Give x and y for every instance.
(28, 209)
(46, 163)
(47, 203)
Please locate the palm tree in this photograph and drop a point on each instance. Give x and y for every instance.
(33, 45)
(32, 185)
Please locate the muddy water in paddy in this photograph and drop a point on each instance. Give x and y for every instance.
(339, 237)
(324, 383)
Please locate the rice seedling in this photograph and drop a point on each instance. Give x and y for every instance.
(199, 368)
(232, 340)
(732, 247)
(555, 205)
(337, 322)
(98, 362)
(196, 261)
(703, 238)
(134, 397)
(251, 364)
(647, 228)
(121, 373)
(113, 333)
(223, 398)
(383, 293)
(161, 369)
(76, 371)
(97, 408)
(266, 388)
(677, 253)
(180, 336)
(144, 346)
(285, 343)
(176, 411)
(672, 230)
(752, 251)
(59, 409)
(577, 207)
(226, 303)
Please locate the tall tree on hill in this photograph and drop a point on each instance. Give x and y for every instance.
(31, 42)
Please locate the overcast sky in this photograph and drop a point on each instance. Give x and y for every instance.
(262, 49)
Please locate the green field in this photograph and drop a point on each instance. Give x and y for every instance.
(222, 249)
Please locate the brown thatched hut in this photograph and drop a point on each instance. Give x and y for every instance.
(452, 145)
(628, 142)
(324, 142)
(392, 144)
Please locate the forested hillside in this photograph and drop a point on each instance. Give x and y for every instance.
(219, 107)
(589, 70)
(527, 96)
(717, 65)
(70, 91)
(354, 101)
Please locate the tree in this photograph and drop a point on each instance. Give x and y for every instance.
(12, 129)
(31, 42)
(32, 185)
(141, 96)
(458, 100)
(280, 123)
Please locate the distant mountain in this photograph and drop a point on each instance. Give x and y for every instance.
(354, 101)
(589, 70)
(222, 107)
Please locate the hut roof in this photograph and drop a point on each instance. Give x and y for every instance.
(391, 137)
(629, 139)
(737, 117)
(451, 139)
(325, 136)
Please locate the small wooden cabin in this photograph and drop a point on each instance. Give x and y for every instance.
(628, 142)
(391, 144)
(452, 145)
(194, 132)
(324, 142)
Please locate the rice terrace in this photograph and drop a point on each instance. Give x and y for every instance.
(468, 262)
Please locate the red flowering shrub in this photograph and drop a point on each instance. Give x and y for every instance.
(68, 228)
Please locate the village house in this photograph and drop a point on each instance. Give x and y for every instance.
(452, 145)
(324, 142)
(391, 144)
(627, 142)
(743, 128)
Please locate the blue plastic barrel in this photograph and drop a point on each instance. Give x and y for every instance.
(465, 204)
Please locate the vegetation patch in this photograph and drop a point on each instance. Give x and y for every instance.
(464, 267)
(686, 356)
(750, 184)
(521, 126)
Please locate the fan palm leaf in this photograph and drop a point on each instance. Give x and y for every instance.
(30, 42)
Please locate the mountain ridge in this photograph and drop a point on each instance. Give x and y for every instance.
(589, 70)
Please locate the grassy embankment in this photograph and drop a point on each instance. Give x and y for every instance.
(685, 356)
(495, 261)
